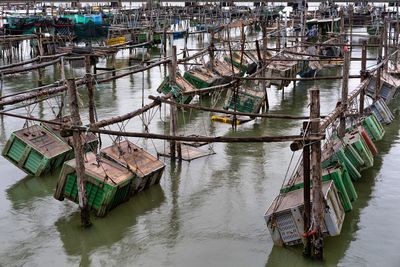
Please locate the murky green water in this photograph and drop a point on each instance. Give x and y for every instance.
(208, 212)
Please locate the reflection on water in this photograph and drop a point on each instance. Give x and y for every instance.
(30, 188)
(105, 232)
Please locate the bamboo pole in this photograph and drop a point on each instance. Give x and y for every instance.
(78, 150)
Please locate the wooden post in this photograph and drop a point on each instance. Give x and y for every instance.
(1, 88)
(378, 72)
(113, 64)
(317, 195)
(165, 42)
(235, 87)
(341, 25)
(278, 39)
(306, 191)
(211, 49)
(185, 48)
(264, 62)
(90, 88)
(63, 95)
(351, 27)
(40, 77)
(80, 165)
(345, 91)
(40, 43)
(363, 69)
(385, 41)
(173, 111)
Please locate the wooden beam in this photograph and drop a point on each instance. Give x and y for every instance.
(197, 107)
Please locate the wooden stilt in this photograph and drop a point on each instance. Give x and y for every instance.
(306, 192)
(173, 111)
(317, 195)
(378, 73)
(40, 77)
(363, 69)
(90, 88)
(264, 62)
(345, 91)
(78, 149)
(1, 88)
(113, 65)
(211, 49)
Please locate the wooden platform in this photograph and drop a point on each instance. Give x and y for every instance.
(189, 152)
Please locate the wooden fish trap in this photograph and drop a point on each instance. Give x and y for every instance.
(224, 69)
(389, 87)
(201, 77)
(277, 70)
(338, 174)
(247, 100)
(284, 217)
(147, 168)
(181, 86)
(373, 127)
(381, 111)
(89, 140)
(235, 61)
(108, 184)
(36, 150)
(356, 140)
(333, 153)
